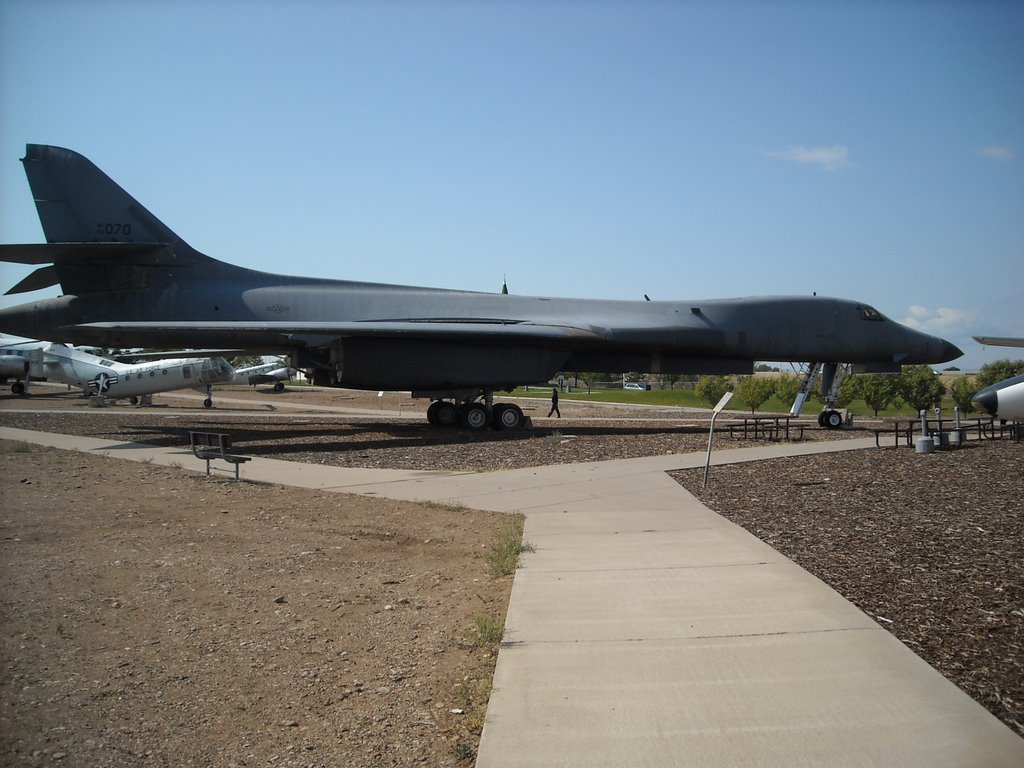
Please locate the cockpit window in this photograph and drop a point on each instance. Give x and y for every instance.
(870, 313)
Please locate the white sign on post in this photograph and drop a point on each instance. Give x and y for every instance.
(711, 433)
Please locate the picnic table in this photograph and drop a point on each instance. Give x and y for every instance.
(766, 428)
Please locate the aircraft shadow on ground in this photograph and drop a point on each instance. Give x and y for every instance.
(282, 440)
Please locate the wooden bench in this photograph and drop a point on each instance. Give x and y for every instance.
(215, 445)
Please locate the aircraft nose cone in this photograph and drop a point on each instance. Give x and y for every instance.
(987, 400)
(949, 352)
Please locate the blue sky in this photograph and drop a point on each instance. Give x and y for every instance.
(684, 150)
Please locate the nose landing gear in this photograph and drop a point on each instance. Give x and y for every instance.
(832, 376)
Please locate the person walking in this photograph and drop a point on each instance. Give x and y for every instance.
(554, 403)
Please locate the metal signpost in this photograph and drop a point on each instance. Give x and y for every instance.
(711, 433)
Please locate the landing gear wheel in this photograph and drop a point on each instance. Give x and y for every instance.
(833, 419)
(473, 416)
(18, 388)
(821, 419)
(507, 416)
(447, 414)
(279, 386)
(133, 400)
(208, 403)
(432, 413)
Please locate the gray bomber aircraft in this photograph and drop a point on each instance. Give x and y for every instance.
(128, 280)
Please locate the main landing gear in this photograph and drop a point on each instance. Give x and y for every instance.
(475, 415)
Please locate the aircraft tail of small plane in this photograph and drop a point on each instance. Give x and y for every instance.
(99, 238)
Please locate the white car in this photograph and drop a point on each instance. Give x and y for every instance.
(634, 386)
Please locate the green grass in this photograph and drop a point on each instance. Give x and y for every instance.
(679, 398)
(666, 397)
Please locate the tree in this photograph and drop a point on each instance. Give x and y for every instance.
(847, 392)
(754, 390)
(877, 390)
(920, 387)
(711, 388)
(666, 380)
(787, 387)
(963, 390)
(589, 378)
(998, 370)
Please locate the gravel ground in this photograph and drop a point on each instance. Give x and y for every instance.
(370, 437)
(930, 546)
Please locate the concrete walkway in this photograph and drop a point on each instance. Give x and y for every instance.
(646, 630)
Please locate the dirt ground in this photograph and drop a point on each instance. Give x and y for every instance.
(153, 616)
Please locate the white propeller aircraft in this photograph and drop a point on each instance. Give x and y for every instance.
(267, 373)
(109, 379)
(16, 362)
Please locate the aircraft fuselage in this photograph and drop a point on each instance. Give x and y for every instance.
(708, 336)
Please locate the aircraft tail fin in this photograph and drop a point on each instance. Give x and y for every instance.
(98, 237)
(78, 203)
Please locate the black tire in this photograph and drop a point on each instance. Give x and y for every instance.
(833, 419)
(18, 388)
(279, 386)
(821, 419)
(208, 403)
(508, 416)
(432, 413)
(447, 414)
(473, 416)
(133, 400)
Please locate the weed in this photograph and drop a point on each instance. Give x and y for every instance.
(16, 446)
(473, 696)
(450, 506)
(463, 751)
(503, 555)
(488, 631)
